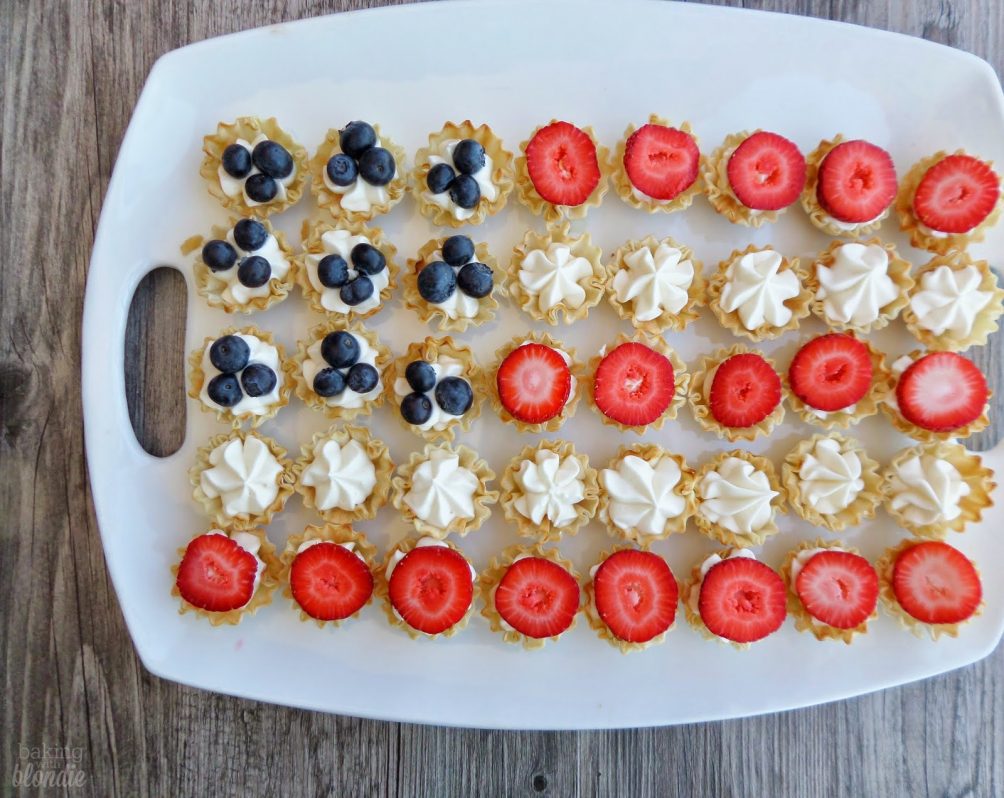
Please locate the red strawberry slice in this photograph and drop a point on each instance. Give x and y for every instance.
(330, 582)
(561, 160)
(635, 594)
(431, 588)
(634, 384)
(956, 194)
(838, 588)
(766, 172)
(857, 182)
(216, 574)
(660, 161)
(744, 391)
(941, 392)
(831, 372)
(537, 597)
(936, 583)
(742, 600)
(534, 383)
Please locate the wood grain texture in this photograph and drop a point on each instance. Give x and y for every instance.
(71, 72)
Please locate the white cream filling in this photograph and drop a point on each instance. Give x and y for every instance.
(261, 352)
(483, 177)
(232, 186)
(359, 196)
(444, 367)
(341, 242)
(343, 476)
(349, 399)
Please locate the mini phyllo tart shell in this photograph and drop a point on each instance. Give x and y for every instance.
(727, 537)
(626, 189)
(690, 596)
(810, 200)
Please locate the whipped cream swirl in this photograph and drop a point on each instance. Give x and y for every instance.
(643, 496)
(656, 283)
(551, 276)
(857, 286)
(442, 490)
(342, 475)
(829, 478)
(927, 490)
(948, 301)
(736, 496)
(756, 288)
(551, 486)
(244, 475)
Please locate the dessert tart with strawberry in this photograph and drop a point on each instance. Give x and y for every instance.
(562, 171)
(253, 166)
(556, 276)
(344, 474)
(752, 178)
(530, 595)
(832, 590)
(463, 176)
(549, 490)
(647, 494)
(631, 599)
(929, 587)
(936, 488)
(832, 482)
(327, 573)
(738, 496)
(452, 282)
(710, 605)
(947, 202)
(758, 293)
(224, 576)
(736, 394)
(443, 491)
(358, 173)
(239, 376)
(656, 285)
(657, 166)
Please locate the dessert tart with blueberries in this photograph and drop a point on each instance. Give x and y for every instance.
(253, 166)
(452, 281)
(463, 176)
(358, 173)
(239, 376)
(657, 166)
(339, 369)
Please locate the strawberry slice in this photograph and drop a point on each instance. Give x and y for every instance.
(635, 594)
(537, 597)
(839, 588)
(216, 574)
(431, 588)
(634, 384)
(857, 182)
(742, 600)
(660, 161)
(956, 194)
(744, 391)
(941, 392)
(831, 372)
(561, 160)
(766, 172)
(534, 383)
(936, 583)
(330, 582)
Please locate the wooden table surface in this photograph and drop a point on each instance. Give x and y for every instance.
(71, 72)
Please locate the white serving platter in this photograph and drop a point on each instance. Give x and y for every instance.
(514, 64)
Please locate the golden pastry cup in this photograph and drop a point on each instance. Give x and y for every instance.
(331, 202)
(502, 174)
(546, 531)
(687, 595)
(267, 583)
(332, 533)
(985, 321)
(665, 321)
(978, 477)
(492, 575)
(730, 320)
(625, 189)
(197, 378)
(580, 246)
(378, 454)
(912, 226)
(725, 536)
(700, 390)
(248, 128)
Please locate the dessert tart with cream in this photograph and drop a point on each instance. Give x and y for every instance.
(657, 166)
(738, 497)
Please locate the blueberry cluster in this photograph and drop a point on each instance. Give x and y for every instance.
(468, 159)
(252, 270)
(360, 157)
(452, 394)
(340, 351)
(261, 168)
(230, 354)
(439, 279)
(353, 282)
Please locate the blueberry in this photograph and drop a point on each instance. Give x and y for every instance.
(458, 250)
(475, 280)
(356, 137)
(363, 378)
(236, 161)
(218, 255)
(342, 170)
(421, 376)
(261, 188)
(465, 191)
(250, 234)
(258, 380)
(416, 408)
(224, 390)
(439, 178)
(333, 271)
(367, 259)
(340, 349)
(329, 382)
(272, 159)
(254, 271)
(468, 156)
(356, 291)
(454, 395)
(229, 354)
(437, 281)
(376, 166)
